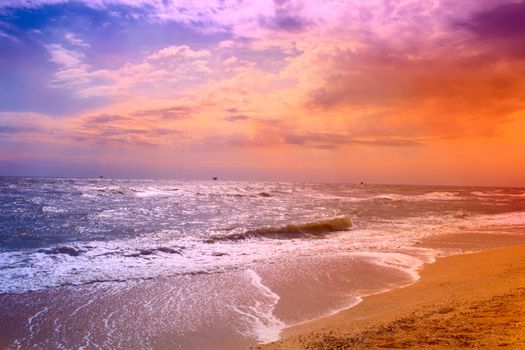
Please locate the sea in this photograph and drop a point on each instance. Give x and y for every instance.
(170, 264)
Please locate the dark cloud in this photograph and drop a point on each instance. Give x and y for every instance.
(9, 129)
(290, 23)
(284, 23)
(236, 117)
(333, 140)
(313, 138)
(105, 119)
(286, 19)
(177, 112)
(503, 26)
(474, 91)
(504, 21)
(125, 136)
(104, 129)
(384, 87)
(390, 142)
(164, 132)
(270, 133)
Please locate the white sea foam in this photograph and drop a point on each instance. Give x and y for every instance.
(32, 328)
(30, 321)
(264, 325)
(409, 262)
(155, 192)
(151, 256)
(504, 219)
(430, 196)
(498, 193)
(147, 229)
(51, 209)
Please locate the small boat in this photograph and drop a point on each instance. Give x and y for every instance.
(215, 178)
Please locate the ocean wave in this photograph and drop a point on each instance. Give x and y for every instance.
(314, 228)
(516, 218)
(111, 190)
(498, 193)
(430, 196)
(213, 193)
(155, 192)
(51, 209)
(63, 250)
(92, 262)
(440, 196)
(152, 251)
(460, 214)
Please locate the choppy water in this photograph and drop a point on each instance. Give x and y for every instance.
(83, 232)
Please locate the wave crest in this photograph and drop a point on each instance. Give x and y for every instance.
(63, 250)
(315, 228)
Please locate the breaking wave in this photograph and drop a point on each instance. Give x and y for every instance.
(63, 250)
(430, 196)
(310, 229)
(498, 193)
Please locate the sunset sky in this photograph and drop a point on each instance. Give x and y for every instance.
(407, 91)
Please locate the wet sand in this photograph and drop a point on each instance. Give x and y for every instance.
(474, 300)
(188, 312)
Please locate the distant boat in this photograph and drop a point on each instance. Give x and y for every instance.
(101, 177)
(215, 178)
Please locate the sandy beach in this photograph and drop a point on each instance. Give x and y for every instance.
(270, 174)
(168, 264)
(474, 300)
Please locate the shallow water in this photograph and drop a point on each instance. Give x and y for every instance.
(153, 264)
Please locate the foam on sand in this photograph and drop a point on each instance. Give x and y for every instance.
(265, 326)
(485, 311)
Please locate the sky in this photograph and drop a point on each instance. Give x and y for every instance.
(380, 91)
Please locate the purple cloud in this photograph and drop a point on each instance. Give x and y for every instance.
(286, 18)
(504, 21)
(503, 27)
(177, 112)
(284, 22)
(105, 118)
(236, 117)
(333, 140)
(8, 129)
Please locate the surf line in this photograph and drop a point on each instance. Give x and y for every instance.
(265, 326)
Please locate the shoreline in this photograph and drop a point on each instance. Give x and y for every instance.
(30, 317)
(447, 288)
